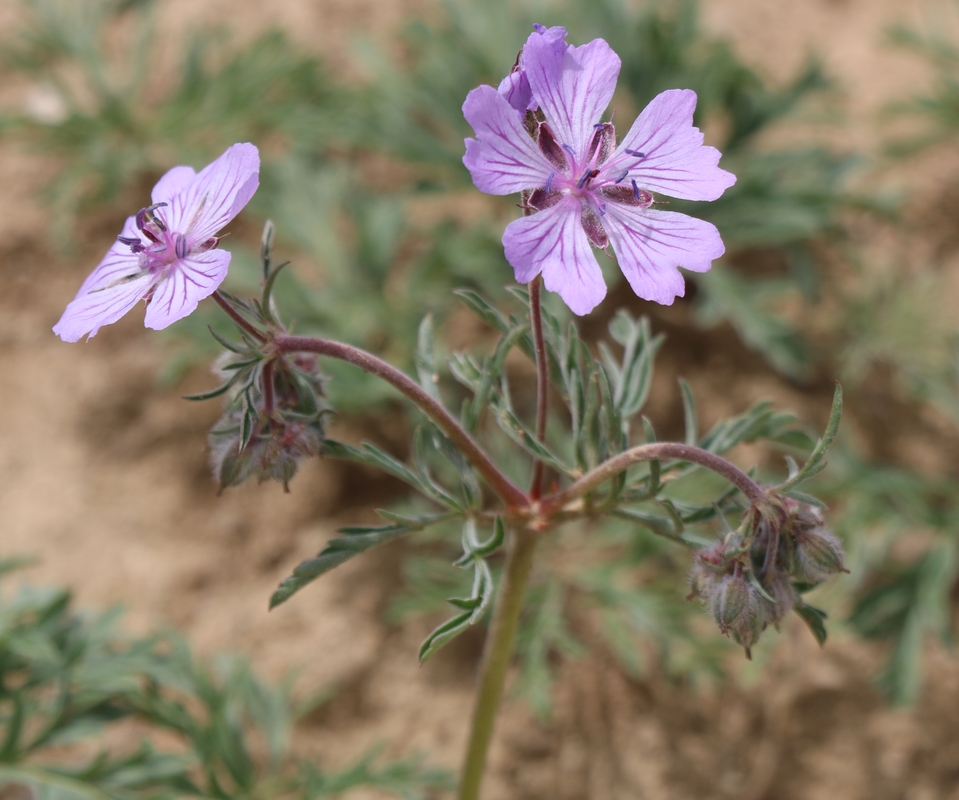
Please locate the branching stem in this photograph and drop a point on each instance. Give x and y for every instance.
(650, 452)
(509, 493)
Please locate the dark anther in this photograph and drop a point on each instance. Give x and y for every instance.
(636, 153)
(549, 182)
(179, 245)
(135, 245)
(622, 176)
(145, 216)
(587, 177)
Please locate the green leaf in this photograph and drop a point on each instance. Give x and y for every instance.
(357, 539)
(816, 620)
(444, 634)
(802, 497)
(483, 308)
(689, 413)
(815, 463)
(372, 456)
(520, 434)
(220, 390)
(425, 358)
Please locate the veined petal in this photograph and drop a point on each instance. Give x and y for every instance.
(674, 160)
(216, 195)
(572, 87)
(173, 182)
(650, 245)
(503, 159)
(515, 86)
(553, 242)
(110, 291)
(189, 281)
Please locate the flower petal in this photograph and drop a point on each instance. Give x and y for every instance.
(674, 160)
(503, 159)
(109, 292)
(189, 281)
(515, 86)
(650, 245)
(216, 195)
(553, 242)
(173, 182)
(573, 88)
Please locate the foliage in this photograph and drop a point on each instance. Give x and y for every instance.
(71, 682)
(604, 397)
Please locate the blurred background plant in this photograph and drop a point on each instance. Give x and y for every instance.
(76, 692)
(365, 184)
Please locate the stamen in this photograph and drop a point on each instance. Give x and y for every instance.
(145, 216)
(635, 190)
(179, 245)
(549, 181)
(569, 150)
(134, 244)
(622, 176)
(636, 153)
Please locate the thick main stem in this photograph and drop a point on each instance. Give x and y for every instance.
(496, 658)
(509, 493)
(651, 452)
(542, 380)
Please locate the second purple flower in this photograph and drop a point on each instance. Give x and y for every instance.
(541, 135)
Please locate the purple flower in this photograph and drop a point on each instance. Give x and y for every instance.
(578, 187)
(166, 253)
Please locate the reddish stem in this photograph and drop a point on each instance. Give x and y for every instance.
(512, 495)
(223, 303)
(542, 380)
(651, 452)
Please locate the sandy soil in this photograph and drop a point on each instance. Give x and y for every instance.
(104, 475)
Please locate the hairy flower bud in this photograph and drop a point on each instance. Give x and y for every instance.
(730, 600)
(271, 424)
(815, 552)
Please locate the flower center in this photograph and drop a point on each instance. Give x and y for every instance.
(162, 246)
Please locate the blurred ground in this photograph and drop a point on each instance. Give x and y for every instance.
(104, 476)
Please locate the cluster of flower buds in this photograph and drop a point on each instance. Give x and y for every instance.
(755, 576)
(270, 424)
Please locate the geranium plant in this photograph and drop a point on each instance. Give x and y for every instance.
(541, 135)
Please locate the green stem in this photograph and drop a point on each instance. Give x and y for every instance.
(651, 452)
(496, 658)
(542, 380)
(509, 493)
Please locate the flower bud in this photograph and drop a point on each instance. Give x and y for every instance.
(814, 552)
(730, 600)
(269, 426)
(819, 554)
